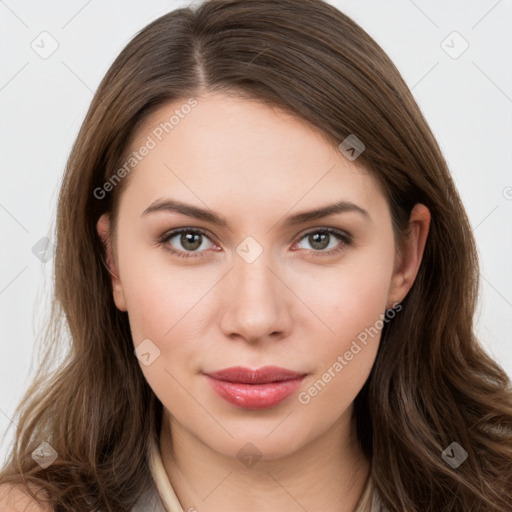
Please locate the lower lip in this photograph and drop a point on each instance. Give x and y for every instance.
(255, 396)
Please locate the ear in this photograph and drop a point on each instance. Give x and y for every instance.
(408, 257)
(103, 228)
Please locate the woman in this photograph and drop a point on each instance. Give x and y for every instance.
(269, 282)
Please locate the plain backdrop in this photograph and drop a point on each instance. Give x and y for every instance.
(455, 55)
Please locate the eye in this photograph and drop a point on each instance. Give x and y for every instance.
(185, 242)
(324, 240)
(190, 243)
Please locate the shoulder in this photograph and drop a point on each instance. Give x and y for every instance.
(16, 498)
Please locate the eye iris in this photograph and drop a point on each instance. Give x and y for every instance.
(191, 238)
(319, 240)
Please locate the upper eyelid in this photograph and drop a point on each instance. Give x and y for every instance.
(329, 229)
(177, 231)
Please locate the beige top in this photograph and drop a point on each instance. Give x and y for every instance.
(162, 498)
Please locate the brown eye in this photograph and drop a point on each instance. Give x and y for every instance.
(319, 241)
(183, 241)
(325, 240)
(191, 241)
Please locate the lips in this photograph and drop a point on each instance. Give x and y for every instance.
(254, 389)
(262, 375)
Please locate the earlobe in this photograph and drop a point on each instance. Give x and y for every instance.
(103, 228)
(410, 256)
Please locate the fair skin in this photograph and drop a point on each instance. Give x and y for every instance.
(255, 166)
(17, 499)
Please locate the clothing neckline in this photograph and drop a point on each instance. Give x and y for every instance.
(368, 502)
(163, 485)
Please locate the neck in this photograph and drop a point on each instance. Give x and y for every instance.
(327, 474)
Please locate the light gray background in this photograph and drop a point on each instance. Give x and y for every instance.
(467, 101)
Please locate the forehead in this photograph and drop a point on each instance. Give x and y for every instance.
(232, 151)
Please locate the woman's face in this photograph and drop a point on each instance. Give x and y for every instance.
(256, 279)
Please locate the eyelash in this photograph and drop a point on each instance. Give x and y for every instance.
(345, 238)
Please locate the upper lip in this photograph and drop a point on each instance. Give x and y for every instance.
(263, 375)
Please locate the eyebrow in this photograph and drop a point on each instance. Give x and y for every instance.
(172, 205)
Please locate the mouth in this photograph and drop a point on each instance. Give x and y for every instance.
(262, 388)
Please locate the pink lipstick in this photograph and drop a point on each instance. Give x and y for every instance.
(254, 389)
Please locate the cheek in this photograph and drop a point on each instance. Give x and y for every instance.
(164, 306)
(343, 361)
(351, 304)
(161, 296)
(350, 297)
(171, 307)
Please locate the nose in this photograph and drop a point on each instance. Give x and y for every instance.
(256, 302)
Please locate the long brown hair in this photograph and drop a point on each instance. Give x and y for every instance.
(431, 384)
